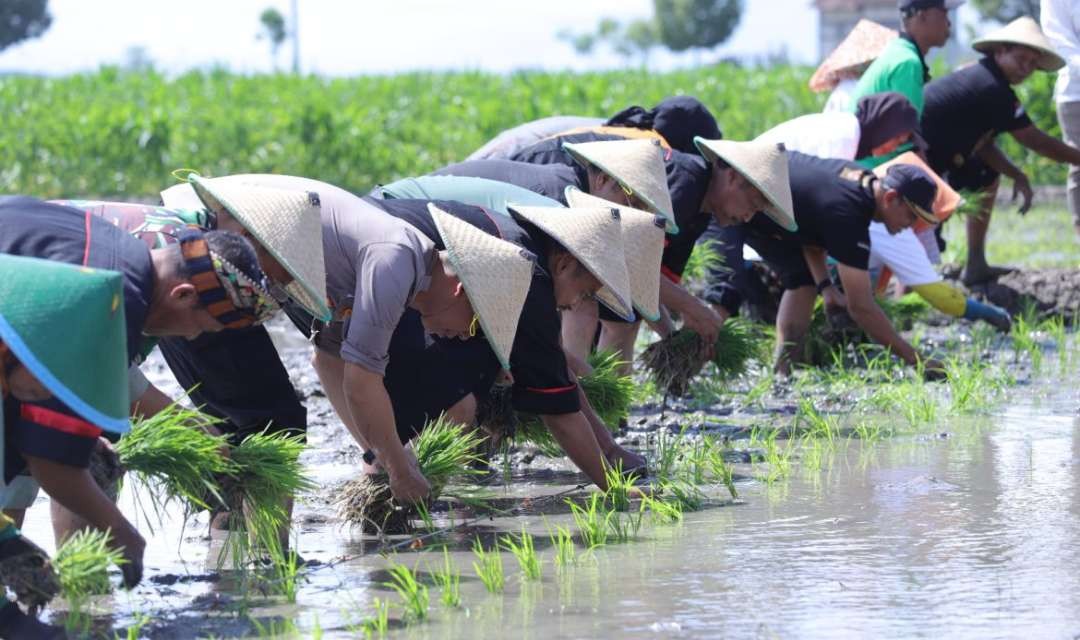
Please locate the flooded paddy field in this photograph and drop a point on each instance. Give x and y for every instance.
(852, 501)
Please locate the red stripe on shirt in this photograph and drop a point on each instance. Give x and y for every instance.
(552, 389)
(670, 275)
(59, 421)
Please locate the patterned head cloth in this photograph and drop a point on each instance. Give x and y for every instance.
(236, 295)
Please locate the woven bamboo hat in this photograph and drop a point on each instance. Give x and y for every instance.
(643, 243)
(1023, 31)
(286, 223)
(593, 235)
(637, 165)
(495, 274)
(66, 325)
(861, 47)
(765, 165)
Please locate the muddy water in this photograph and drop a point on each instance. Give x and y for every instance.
(971, 530)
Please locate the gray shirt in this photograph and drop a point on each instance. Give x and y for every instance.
(375, 266)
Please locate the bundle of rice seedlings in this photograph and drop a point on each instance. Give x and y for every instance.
(266, 473)
(82, 564)
(905, 311)
(172, 454)
(444, 450)
(609, 392)
(676, 360)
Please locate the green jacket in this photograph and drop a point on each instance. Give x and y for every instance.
(900, 68)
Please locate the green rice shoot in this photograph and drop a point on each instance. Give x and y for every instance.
(176, 458)
(676, 360)
(82, 564)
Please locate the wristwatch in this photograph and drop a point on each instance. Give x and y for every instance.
(823, 285)
(369, 456)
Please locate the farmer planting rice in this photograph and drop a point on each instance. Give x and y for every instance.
(673, 122)
(829, 205)
(966, 111)
(633, 173)
(479, 192)
(882, 123)
(203, 283)
(62, 390)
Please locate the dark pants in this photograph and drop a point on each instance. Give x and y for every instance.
(423, 378)
(237, 376)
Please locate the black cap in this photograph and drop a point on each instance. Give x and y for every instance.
(919, 5)
(916, 187)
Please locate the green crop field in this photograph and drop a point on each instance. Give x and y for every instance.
(117, 133)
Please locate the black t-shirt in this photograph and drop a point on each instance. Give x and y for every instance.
(550, 150)
(30, 227)
(549, 180)
(966, 109)
(834, 205)
(541, 380)
(688, 179)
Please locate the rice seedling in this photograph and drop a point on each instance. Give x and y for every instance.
(868, 431)
(610, 394)
(1024, 334)
(444, 451)
(523, 549)
(135, 629)
(448, 579)
(176, 458)
(488, 567)
(778, 460)
(815, 425)
(970, 388)
(664, 512)
(674, 361)
(905, 311)
(1055, 328)
(82, 566)
(705, 258)
(620, 488)
(377, 624)
(624, 526)
(684, 495)
(563, 543)
(668, 449)
(592, 520)
(414, 595)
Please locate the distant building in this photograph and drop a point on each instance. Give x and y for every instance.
(838, 17)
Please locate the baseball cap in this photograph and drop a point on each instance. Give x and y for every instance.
(918, 5)
(916, 187)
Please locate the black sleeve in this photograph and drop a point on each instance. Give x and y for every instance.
(1013, 114)
(849, 244)
(54, 432)
(542, 383)
(727, 280)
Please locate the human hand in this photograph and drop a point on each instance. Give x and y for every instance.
(132, 546)
(1022, 187)
(704, 321)
(409, 485)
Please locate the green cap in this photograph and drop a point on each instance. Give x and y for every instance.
(66, 325)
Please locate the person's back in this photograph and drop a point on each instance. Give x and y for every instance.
(512, 140)
(480, 192)
(547, 180)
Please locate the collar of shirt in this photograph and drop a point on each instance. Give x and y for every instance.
(922, 60)
(991, 65)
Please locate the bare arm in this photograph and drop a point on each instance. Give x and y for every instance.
(815, 261)
(869, 316)
(1046, 145)
(575, 435)
(76, 490)
(696, 314)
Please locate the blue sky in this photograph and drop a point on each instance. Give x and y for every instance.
(348, 37)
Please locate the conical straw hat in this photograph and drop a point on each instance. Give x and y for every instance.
(765, 165)
(1023, 31)
(495, 274)
(286, 223)
(638, 165)
(594, 236)
(66, 325)
(861, 47)
(643, 243)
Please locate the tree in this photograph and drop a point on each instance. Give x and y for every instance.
(273, 25)
(695, 24)
(22, 19)
(1006, 10)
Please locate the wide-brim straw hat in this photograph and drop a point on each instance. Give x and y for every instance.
(947, 200)
(637, 165)
(286, 223)
(764, 165)
(643, 244)
(593, 235)
(66, 325)
(1023, 31)
(495, 275)
(861, 47)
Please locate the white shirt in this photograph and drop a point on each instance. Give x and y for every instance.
(825, 135)
(1061, 23)
(840, 98)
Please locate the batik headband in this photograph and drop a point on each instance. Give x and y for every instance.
(232, 297)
